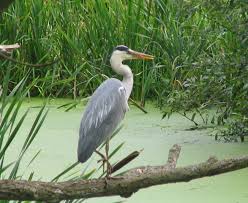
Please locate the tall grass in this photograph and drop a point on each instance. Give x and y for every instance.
(83, 34)
(200, 48)
(11, 121)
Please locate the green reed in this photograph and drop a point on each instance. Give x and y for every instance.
(83, 34)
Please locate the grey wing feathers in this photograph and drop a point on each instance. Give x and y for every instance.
(103, 113)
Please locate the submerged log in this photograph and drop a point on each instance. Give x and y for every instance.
(125, 185)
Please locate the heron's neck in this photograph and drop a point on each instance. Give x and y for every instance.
(127, 80)
(125, 71)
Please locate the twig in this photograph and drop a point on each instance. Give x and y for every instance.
(173, 156)
(7, 49)
(137, 105)
(28, 64)
(125, 161)
(185, 115)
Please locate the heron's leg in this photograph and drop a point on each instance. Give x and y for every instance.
(100, 154)
(103, 159)
(109, 167)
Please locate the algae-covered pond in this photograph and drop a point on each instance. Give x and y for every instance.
(57, 141)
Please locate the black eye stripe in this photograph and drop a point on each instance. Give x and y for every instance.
(121, 48)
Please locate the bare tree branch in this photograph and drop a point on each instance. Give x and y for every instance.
(173, 156)
(126, 184)
(137, 105)
(5, 50)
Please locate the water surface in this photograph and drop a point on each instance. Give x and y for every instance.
(58, 143)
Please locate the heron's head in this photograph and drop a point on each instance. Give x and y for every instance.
(122, 53)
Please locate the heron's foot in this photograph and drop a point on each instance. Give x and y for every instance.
(104, 160)
(101, 155)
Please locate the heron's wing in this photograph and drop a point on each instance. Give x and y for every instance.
(103, 113)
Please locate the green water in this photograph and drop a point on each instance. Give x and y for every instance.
(58, 142)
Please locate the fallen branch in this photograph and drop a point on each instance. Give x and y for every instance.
(126, 184)
(27, 64)
(5, 50)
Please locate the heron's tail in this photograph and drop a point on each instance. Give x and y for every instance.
(83, 157)
(85, 150)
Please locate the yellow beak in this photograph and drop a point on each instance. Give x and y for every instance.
(139, 55)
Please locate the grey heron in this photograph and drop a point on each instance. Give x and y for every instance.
(107, 106)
